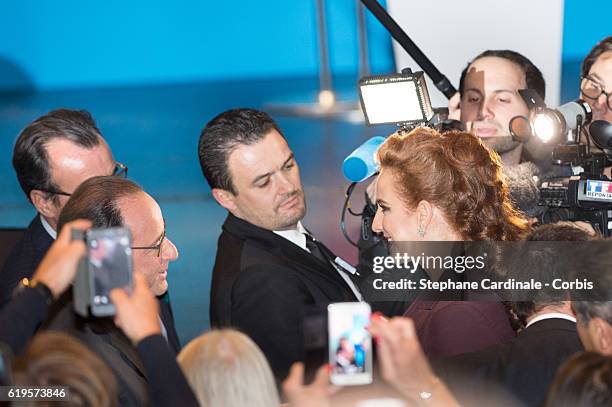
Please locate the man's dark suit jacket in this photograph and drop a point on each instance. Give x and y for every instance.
(107, 341)
(167, 384)
(263, 284)
(24, 258)
(524, 367)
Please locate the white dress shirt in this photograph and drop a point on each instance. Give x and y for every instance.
(48, 227)
(297, 236)
(550, 315)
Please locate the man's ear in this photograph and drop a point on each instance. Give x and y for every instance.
(43, 203)
(225, 198)
(601, 333)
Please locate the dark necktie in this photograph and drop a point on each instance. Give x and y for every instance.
(314, 247)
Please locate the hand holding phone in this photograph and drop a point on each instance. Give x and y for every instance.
(110, 266)
(350, 343)
(137, 313)
(107, 265)
(59, 266)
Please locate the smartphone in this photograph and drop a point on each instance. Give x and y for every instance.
(109, 259)
(350, 344)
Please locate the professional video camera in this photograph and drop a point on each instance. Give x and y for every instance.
(577, 189)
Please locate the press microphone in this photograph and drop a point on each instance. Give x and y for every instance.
(601, 133)
(361, 164)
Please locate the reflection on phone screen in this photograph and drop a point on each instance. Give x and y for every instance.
(350, 342)
(108, 259)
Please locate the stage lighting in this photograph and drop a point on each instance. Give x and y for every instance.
(400, 99)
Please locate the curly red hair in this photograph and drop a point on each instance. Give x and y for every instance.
(458, 174)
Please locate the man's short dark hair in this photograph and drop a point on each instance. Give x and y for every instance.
(543, 263)
(594, 262)
(30, 158)
(533, 76)
(223, 134)
(96, 200)
(602, 46)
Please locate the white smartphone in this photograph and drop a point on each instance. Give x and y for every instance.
(350, 344)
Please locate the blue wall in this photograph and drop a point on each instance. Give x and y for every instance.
(585, 24)
(583, 27)
(70, 43)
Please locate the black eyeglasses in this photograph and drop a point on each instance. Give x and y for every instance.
(120, 170)
(157, 247)
(592, 89)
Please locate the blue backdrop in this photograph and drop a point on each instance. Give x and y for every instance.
(72, 43)
(61, 47)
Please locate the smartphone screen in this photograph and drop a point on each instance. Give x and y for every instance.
(110, 265)
(350, 344)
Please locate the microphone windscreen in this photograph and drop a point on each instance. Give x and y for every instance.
(601, 133)
(361, 163)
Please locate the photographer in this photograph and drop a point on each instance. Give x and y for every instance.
(596, 88)
(596, 80)
(402, 365)
(489, 99)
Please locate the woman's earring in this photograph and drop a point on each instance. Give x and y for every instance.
(421, 231)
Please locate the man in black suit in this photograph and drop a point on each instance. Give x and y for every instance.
(524, 367)
(114, 202)
(269, 270)
(52, 156)
(594, 310)
(137, 316)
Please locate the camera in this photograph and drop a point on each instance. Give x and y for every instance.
(107, 265)
(577, 190)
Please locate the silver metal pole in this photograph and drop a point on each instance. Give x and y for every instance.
(364, 63)
(326, 104)
(324, 68)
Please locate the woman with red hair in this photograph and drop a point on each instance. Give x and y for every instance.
(447, 187)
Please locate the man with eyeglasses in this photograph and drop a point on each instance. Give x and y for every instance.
(596, 80)
(109, 201)
(53, 155)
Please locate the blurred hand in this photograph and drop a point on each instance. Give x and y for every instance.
(138, 312)
(403, 364)
(316, 394)
(454, 110)
(59, 266)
